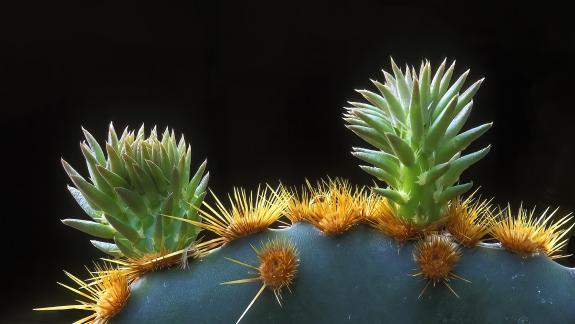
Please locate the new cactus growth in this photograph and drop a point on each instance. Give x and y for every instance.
(129, 189)
(331, 252)
(415, 123)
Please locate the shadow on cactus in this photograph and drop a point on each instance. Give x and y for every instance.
(410, 250)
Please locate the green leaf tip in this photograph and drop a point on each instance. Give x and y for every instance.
(414, 120)
(131, 181)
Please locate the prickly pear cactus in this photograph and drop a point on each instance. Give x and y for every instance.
(412, 251)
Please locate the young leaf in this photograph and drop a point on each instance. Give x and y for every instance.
(95, 147)
(452, 192)
(401, 149)
(108, 248)
(94, 214)
(393, 195)
(92, 228)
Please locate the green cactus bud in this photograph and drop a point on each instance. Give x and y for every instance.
(130, 187)
(415, 122)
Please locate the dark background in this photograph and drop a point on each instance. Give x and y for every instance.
(258, 88)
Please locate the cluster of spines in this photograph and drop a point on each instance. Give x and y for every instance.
(469, 220)
(436, 255)
(131, 186)
(277, 269)
(526, 234)
(104, 294)
(247, 213)
(414, 123)
(333, 206)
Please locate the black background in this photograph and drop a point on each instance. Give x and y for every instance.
(258, 88)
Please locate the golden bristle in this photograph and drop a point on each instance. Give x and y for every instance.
(106, 292)
(383, 218)
(246, 215)
(469, 220)
(333, 206)
(436, 255)
(278, 264)
(526, 234)
(278, 268)
(135, 268)
(299, 206)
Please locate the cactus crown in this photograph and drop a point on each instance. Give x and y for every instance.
(414, 122)
(132, 186)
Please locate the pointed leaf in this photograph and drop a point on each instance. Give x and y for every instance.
(459, 121)
(177, 192)
(148, 185)
(197, 202)
(424, 88)
(97, 198)
(187, 165)
(69, 170)
(167, 210)
(461, 164)
(134, 201)
(126, 230)
(375, 99)
(95, 147)
(112, 178)
(156, 172)
(401, 149)
(382, 160)
(467, 96)
(436, 81)
(197, 197)
(127, 248)
(395, 196)
(438, 127)
(380, 174)
(371, 136)
(460, 142)
(452, 92)
(112, 137)
(92, 228)
(395, 107)
(445, 80)
(390, 82)
(365, 106)
(409, 83)
(95, 176)
(379, 124)
(416, 114)
(115, 163)
(191, 187)
(433, 174)
(94, 214)
(402, 87)
(452, 192)
(199, 174)
(108, 248)
(203, 184)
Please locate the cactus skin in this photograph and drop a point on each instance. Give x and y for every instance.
(357, 277)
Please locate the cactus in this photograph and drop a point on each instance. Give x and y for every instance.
(415, 251)
(129, 189)
(414, 123)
